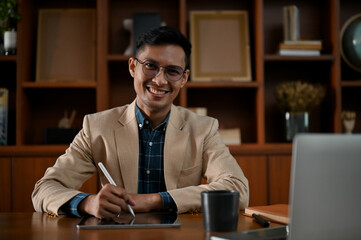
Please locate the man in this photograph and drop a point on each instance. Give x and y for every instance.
(156, 152)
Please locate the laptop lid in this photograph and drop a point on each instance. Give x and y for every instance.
(325, 188)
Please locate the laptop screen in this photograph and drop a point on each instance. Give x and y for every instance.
(325, 190)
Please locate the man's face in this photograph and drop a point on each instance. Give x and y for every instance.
(156, 95)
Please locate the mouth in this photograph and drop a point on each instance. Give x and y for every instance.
(159, 92)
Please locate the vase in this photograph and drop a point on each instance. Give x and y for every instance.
(349, 125)
(10, 42)
(296, 123)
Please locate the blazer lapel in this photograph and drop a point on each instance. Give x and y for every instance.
(174, 149)
(127, 143)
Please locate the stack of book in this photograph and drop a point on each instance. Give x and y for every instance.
(300, 48)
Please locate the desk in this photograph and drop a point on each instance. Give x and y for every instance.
(41, 226)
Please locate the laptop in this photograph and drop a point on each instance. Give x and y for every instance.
(325, 191)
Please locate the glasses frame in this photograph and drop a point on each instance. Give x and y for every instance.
(159, 67)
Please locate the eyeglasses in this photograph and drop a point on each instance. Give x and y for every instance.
(151, 69)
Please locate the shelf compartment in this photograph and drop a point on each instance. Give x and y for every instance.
(45, 107)
(119, 37)
(321, 118)
(315, 17)
(234, 108)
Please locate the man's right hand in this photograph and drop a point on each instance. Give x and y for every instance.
(107, 203)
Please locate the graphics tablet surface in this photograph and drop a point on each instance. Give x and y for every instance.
(141, 220)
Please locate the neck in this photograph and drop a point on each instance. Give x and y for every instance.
(156, 117)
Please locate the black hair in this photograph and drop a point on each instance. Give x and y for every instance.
(165, 35)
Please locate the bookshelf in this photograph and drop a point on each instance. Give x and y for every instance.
(249, 106)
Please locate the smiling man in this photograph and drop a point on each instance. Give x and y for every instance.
(156, 152)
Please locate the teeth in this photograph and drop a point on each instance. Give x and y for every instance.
(155, 91)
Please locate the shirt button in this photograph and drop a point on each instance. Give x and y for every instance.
(148, 171)
(140, 125)
(150, 144)
(146, 122)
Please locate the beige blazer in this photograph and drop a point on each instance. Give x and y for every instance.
(193, 149)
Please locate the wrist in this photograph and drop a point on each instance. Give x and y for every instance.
(83, 206)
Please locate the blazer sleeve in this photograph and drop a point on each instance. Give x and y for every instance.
(219, 168)
(61, 181)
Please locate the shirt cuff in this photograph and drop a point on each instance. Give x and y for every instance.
(168, 202)
(70, 208)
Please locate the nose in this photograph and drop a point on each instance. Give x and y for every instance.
(160, 79)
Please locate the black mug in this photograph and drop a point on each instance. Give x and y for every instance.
(220, 210)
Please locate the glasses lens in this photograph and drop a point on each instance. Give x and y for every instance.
(173, 73)
(150, 69)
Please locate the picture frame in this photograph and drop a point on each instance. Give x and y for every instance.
(66, 45)
(220, 46)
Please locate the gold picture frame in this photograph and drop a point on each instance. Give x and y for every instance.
(66, 45)
(221, 46)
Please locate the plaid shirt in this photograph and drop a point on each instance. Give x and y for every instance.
(151, 167)
(151, 164)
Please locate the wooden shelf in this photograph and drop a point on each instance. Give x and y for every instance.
(355, 83)
(59, 84)
(10, 58)
(117, 57)
(223, 84)
(279, 58)
(32, 150)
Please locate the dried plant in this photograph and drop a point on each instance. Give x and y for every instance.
(298, 96)
(348, 115)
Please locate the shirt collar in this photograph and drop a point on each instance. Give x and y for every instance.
(143, 120)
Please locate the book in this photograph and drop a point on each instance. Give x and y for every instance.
(286, 24)
(294, 22)
(199, 110)
(291, 23)
(231, 136)
(299, 52)
(3, 115)
(301, 46)
(275, 213)
(303, 42)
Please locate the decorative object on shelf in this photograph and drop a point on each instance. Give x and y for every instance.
(291, 23)
(296, 123)
(8, 21)
(143, 22)
(351, 42)
(213, 58)
(296, 100)
(128, 25)
(3, 115)
(66, 45)
(348, 120)
(64, 133)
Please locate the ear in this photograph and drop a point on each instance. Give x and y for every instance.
(131, 64)
(185, 78)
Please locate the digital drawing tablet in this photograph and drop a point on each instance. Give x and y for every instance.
(141, 220)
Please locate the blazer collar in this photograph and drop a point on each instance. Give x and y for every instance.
(127, 145)
(175, 147)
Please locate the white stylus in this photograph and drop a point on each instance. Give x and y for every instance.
(111, 181)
